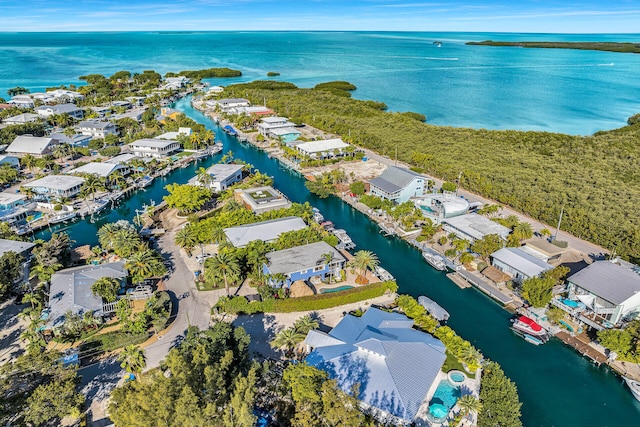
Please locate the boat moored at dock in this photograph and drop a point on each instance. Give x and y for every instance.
(529, 328)
(63, 217)
(436, 261)
(634, 386)
(145, 182)
(345, 241)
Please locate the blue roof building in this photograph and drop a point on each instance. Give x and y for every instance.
(394, 365)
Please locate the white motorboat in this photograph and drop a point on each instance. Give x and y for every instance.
(436, 261)
(529, 327)
(634, 386)
(145, 182)
(63, 217)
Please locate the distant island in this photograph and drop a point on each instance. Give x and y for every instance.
(604, 46)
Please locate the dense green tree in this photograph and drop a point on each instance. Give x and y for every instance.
(361, 261)
(469, 404)
(132, 359)
(357, 188)
(239, 411)
(10, 270)
(287, 340)
(538, 291)
(487, 245)
(523, 231)
(225, 266)
(53, 401)
(145, 264)
(106, 288)
(499, 397)
(187, 198)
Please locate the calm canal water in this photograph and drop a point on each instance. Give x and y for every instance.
(556, 385)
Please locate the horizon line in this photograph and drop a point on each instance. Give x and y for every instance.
(311, 31)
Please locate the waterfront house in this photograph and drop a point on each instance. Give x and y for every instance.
(22, 101)
(135, 114)
(268, 125)
(20, 248)
(101, 169)
(519, 264)
(255, 110)
(125, 158)
(285, 135)
(64, 95)
(174, 135)
(228, 104)
(323, 149)
(175, 83)
(69, 109)
(12, 161)
(15, 208)
(215, 90)
(543, 249)
(223, 175)
(70, 291)
(397, 184)
(609, 290)
(261, 199)
(267, 231)
(77, 140)
(22, 119)
(37, 146)
(474, 227)
(97, 128)
(395, 366)
(303, 263)
(438, 206)
(10, 201)
(157, 148)
(55, 186)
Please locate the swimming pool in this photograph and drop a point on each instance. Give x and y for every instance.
(456, 377)
(341, 288)
(443, 400)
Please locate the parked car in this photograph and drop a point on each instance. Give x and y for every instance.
(202, 257)
(140, 290)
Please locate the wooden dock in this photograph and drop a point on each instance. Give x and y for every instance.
(582, 346)
(455, 278)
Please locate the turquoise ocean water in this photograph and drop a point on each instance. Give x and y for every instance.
(570, 91)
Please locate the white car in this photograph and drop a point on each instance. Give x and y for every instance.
(202, 257)
(140, 290)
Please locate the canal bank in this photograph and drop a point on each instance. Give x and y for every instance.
(556, 385)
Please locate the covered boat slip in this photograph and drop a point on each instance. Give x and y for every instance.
(434, 309)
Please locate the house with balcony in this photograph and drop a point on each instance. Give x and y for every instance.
(302, 263)
(274, 127)
(53, 187)
(261, 199)
(610, 291)
(397, 184)
(396, 368)
(37, 146)
(22, 101)
(22, 119)
(70, 291)
(69, 109)
(157, 148)
(101, 169)
(474, 227)
(15, 208)
(228, 105)
(97, 128)
(323, 149)
(222, 176)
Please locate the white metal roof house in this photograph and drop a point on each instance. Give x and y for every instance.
(610, 290)
(101, 169)
(21, 119)
(71, 290)
(268, 124)
(303, 262)
(157, 148)
(22, 101)
(474, 227)
(37, 146)
(55, 186)
(397, 184)
(267, 231)
(97, 128)
(77, 140)
(223, 175)
(518, 263)
(71, 109)
(261, 199)
(323, 148)
(396, 366)
(227, 104)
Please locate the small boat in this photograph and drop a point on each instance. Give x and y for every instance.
(386, 230)
(436, 261)
(345, 240)
(100, 205)
(63, 217)
(230, 130)
(383, 274)
(145, 182)
(528, 326)
(23, 229)
(634, 386)
(317, 216)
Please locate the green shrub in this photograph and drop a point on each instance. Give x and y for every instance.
(57, 207)
(109, 151)
(482, 266)
(338, 84)
(272, 74)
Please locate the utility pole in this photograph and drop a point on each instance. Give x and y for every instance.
(396, 163)
(559, 222)
(459, 179)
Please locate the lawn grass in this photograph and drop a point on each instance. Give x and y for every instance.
(452, 364)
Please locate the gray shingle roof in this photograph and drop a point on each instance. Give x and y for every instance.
(394, 179)
(71, 290)
(394, 364)
(266, 231)
(521, 261)
(300, 258)
(95, 124)
(14, 246)
(609, 281)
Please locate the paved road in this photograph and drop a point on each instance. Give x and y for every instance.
(583, 246)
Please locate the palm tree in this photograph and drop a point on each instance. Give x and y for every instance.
(145, 264)
(28, 162)
(305, 324)
(287, 339)
(61, 150)
(132, 359)
(469, 404)
(126, 242)
(471, 357)
(227, 266)
(117, 180)
(187, 238)
(93, 184)
(203, 177)
(361, 261)
(327, 259)
(523, 231)
(107, 234)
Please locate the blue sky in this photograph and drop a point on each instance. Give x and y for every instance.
(551, 16)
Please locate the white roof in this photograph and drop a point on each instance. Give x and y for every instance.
(284, 131)
(56, 182)
(98, 168)
(321, 146)
(222, 171)
(29, 144)
(521, 261)
(23, 118)
(174, 135)
(14, 246)
(272, 120)
(153, 143)
(7, 198)
(477, 226)
(266, 231)
(95, 124)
